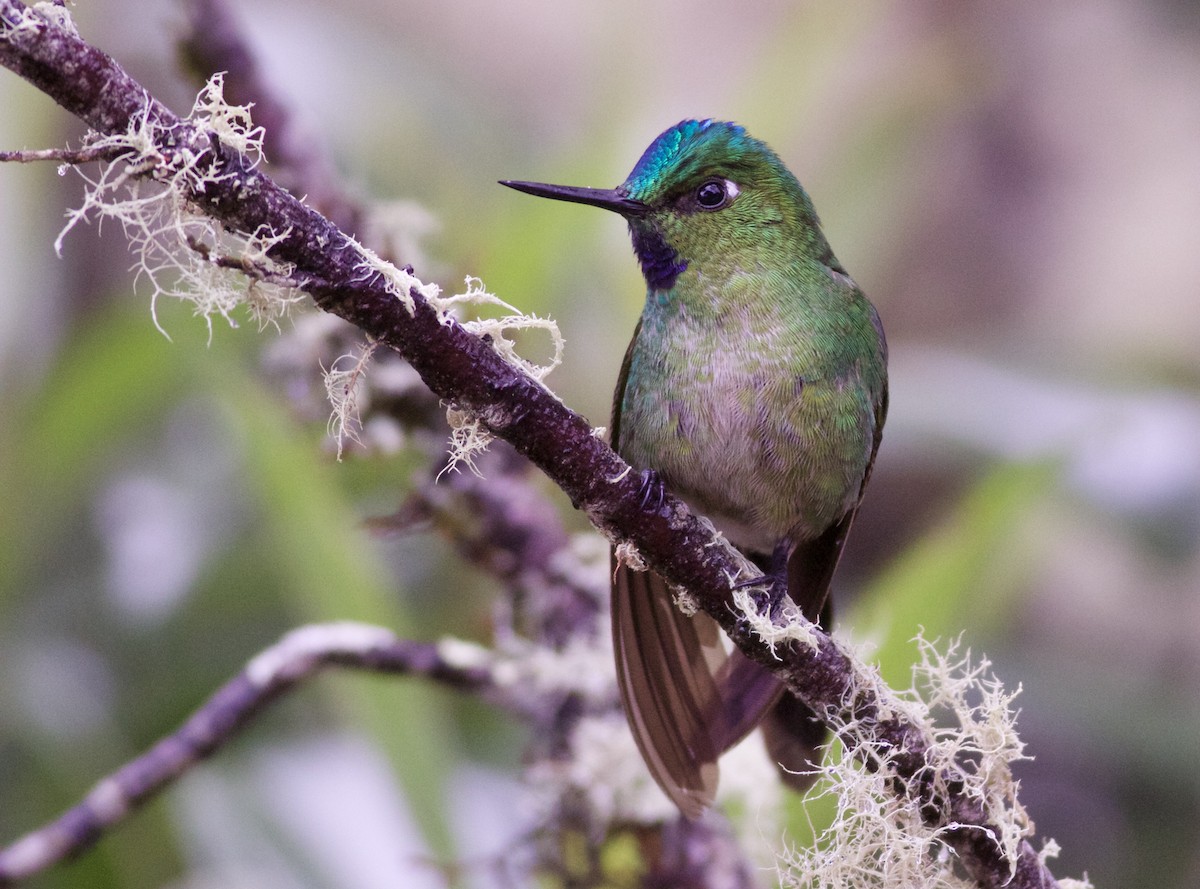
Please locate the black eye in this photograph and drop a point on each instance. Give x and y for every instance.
(712, 194)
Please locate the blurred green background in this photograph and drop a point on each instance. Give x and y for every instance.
(1017, 187)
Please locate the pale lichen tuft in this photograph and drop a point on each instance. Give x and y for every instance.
(498, 330)
(344, 387)
(626, 553)
(878, 840)
(788, 624)
(469, 438)
(183, 253)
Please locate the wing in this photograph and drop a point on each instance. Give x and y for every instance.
(665, 668)
(791, 730)
(614, 427)
(811, 563)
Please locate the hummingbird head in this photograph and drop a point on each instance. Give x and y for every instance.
(708, 197)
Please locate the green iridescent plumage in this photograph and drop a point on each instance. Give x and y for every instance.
(755, 387)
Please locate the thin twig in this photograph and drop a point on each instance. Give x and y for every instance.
(72, 156)
(296, 657)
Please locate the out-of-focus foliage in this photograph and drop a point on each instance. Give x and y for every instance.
(1014, 185)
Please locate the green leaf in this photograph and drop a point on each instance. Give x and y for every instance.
(963, 574)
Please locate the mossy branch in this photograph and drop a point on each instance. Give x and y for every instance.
(464, 369)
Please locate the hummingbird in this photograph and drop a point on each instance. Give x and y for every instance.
(755, 388)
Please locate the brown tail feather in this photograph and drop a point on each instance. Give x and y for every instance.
(665, 666)
(688, 700)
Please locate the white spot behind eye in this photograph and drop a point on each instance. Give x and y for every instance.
(731, 189)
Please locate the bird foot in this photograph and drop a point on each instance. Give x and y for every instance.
(774, 582)
(770, 592)
(652, 490)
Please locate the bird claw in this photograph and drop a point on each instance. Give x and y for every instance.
(652, 490)
(770, 592)
(773, 585)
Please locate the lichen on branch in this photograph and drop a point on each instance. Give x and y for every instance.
(186, 254)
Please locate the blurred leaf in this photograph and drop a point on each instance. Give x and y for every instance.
(962, 575)
(113, 377)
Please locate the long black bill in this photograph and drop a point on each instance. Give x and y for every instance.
(608, 198)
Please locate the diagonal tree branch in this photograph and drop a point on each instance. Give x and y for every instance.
(467, 372)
